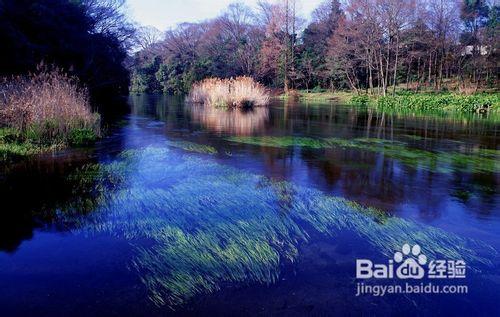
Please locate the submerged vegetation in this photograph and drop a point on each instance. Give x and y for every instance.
(44, 111)
(474, 160)
(237, 92)
(217, 224)
(193, 147)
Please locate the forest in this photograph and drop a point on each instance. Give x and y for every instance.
(88, 39)
(369, 46)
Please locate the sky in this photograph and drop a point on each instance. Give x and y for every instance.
(166, 14)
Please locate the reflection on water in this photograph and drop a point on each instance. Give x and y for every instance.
(231, 121)
(213, 206)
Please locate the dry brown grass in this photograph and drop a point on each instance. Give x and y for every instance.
(48, 106)
(234, 92)
(468, 88)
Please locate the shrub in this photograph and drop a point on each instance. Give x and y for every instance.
(237, 92)
(47, 108)
(81, 137)
(318, 89)
(360, 100)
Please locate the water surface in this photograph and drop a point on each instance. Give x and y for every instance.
(183, 210)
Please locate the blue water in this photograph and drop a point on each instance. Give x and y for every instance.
(175, 212)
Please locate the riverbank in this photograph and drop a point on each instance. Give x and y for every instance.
(405, 101)
(323, 96)
(44, 112)
(14, 144)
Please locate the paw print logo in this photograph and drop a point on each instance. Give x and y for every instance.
(411, 261)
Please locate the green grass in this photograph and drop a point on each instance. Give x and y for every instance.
(404, 101)
(441, 102)
(322, 96)
(82, 137)
(193, 147)
(13, 144)
(16, 144)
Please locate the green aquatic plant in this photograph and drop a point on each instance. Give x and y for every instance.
(13, 145)
(441, 102)
(360, 100)
(82, 137)
(193, 147)
(477, 161)
(413, 137)
(209, 224)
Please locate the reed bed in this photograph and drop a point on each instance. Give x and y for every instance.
(47, 108)
(234, 92)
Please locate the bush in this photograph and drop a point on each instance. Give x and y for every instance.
(47, 108)
(238, 92)
(360, 100)
(82, 137)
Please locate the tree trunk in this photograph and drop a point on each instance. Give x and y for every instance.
(430, 69)
(395, 67)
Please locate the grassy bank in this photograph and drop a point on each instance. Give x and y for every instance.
(318, 96)
(441, 102)
(408, 101)
(44, 112)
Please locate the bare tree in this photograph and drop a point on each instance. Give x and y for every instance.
(148, 36)
(108, 18)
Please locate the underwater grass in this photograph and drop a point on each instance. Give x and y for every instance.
(193, 147)
(476, 161)
(210, 224)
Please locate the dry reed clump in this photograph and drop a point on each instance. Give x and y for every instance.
(234, 92)
(47, 107)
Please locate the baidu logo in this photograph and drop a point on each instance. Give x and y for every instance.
(410, 263)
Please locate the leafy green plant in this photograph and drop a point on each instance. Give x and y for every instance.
(82, 137)
(360, 100)
(441, 102)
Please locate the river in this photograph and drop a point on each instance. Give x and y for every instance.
(183, 210)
